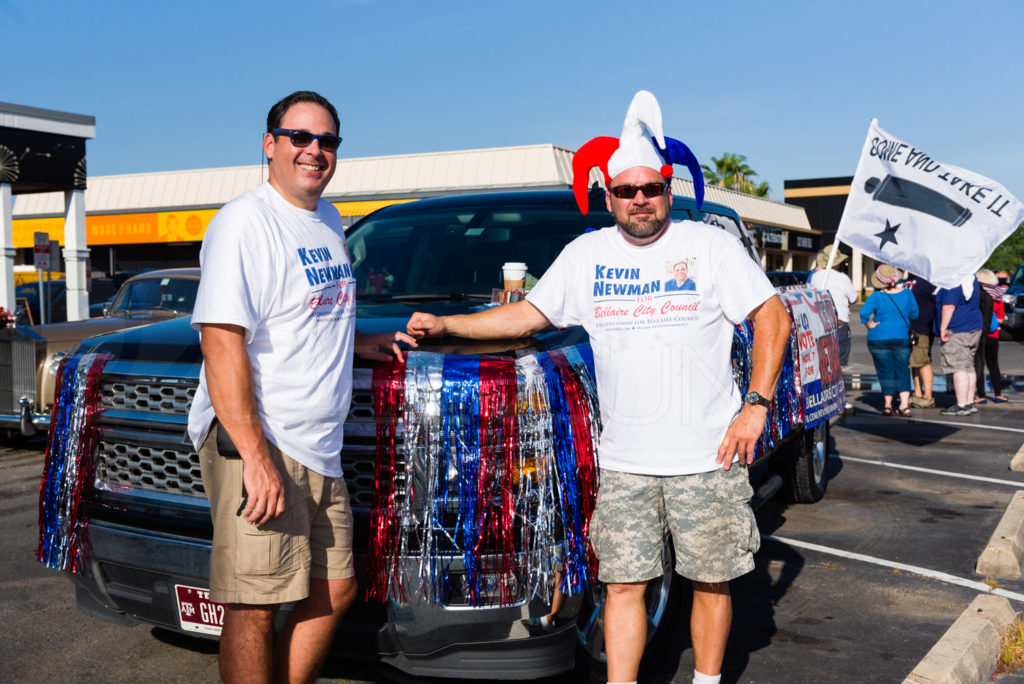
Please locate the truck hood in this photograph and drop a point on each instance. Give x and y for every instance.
(175, 341)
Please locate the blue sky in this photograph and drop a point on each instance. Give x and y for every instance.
(791, 85)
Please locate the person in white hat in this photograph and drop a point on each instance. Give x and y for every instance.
(674, 421)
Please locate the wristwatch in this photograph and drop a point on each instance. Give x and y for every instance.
(757, 400)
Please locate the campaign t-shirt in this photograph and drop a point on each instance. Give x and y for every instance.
(284, 274)
(662, 354)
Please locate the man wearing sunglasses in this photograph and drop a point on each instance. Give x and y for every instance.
(673, 421)
(276, 315)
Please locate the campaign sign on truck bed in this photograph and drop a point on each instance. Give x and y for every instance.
(820, 376)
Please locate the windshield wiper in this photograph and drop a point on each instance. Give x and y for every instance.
(439, 297)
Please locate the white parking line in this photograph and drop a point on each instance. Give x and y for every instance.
(932, 471)
(924, 572)
(953, 423)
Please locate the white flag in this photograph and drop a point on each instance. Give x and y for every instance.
(935, 220)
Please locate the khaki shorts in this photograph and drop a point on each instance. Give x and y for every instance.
(708, 515)
(921, 353)
(958, 353)
(274, 563)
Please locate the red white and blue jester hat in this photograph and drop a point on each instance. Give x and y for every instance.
(642, 144)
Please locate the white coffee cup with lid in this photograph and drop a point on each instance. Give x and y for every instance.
(514, 275)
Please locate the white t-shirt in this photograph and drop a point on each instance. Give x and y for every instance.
(283, 274)
(840, 287)
(662, 356)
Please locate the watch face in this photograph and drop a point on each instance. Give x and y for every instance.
(755, 398)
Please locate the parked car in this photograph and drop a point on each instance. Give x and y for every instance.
(1013, 303)
(147, 555)
(29, 354)
(101, 290)
(788, 278)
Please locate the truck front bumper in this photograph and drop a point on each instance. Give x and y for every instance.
(131, 575)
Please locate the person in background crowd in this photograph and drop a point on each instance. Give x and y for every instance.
(921, 354)
(843, 293)
(887, 314)
(992, 314)
(1003, 278)
(959, 323)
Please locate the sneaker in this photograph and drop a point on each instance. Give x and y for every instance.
(922, 402)
(955, 410)
(971, 408)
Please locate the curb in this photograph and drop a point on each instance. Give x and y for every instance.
(1017, 462)
(1004, 553)
(968, 651)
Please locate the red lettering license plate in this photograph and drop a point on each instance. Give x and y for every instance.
(196, 612)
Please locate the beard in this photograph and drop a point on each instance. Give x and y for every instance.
(642, 225)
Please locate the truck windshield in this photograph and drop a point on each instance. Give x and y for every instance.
(169, 294)
(459, 251)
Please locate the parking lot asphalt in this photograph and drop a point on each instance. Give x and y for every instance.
(857, 587)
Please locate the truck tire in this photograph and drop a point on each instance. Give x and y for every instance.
(808, 477)
(661, 603)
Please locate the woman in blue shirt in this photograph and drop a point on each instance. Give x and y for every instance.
(887, 314)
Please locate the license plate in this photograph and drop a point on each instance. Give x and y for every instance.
(196, 612)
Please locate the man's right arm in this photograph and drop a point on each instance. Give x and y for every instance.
(944, 320)
(229, 381)
(508, 321)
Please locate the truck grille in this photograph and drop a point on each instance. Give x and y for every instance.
(163, 464)
(171, 471)
(17, 371)
(148, 397)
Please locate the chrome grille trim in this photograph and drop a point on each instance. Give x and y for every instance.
(148, 396)
(17, 373)
(162, 462)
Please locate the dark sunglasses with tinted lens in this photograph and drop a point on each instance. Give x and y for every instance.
(629, 191)
(305, 138)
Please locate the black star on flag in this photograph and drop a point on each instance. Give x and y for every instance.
(887, 235)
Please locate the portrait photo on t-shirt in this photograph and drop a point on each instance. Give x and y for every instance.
(682, 275)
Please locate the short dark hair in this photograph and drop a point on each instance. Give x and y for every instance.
(278, 111)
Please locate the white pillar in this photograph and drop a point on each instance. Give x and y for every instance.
(857, 270)
(6, 248)
(76, 253)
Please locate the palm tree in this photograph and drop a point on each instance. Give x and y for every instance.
(732, 171)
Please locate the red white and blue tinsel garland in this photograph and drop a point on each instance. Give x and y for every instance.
(492, 482)
(69, 467)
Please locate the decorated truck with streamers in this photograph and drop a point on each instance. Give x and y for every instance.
(472, 466)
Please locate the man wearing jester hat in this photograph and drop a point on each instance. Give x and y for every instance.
(674, 422)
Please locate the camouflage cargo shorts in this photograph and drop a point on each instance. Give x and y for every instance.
(707, 514)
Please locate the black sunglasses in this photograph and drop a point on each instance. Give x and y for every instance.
(305, 138)
(629, 191)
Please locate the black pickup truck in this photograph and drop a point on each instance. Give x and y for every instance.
(143, 527)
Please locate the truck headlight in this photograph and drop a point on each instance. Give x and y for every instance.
(54, 363)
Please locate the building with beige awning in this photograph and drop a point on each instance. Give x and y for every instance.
(126, 215)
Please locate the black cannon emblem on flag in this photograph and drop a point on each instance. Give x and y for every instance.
(901, 192)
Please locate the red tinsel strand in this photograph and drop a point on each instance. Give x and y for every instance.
(496, 543)
(581, 412)
(384, 558)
